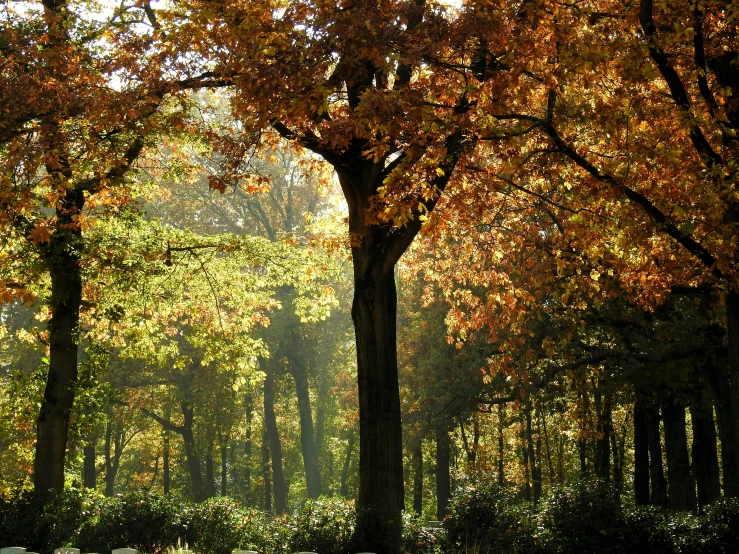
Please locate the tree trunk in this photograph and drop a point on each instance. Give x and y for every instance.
(62, 258)
(719, 385)
(641, 454)
(224, 468)
(679, 478)
(443, 478)
(603, 444)
(210, 478)
(191, 453)
(112, 459)
(533, 466)
(658, 494)
(344, 489)
(732, 319)
(417, 456)
(705, 455)
(275, 444)
(501, 445)
(165, 462)
(89, 467)
(307, 437)
(380, 436)
(248, 408)
(266, 471)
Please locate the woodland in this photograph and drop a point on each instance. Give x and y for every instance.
(370, 275)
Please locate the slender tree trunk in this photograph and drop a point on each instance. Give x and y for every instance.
(344, 489)
(705, 455)
(658, 494)
(113, 452)
(533, 463)
(307, 438)
(165, 462)
(543, 423)
(443, 478)
(267, 472)
(719, 385)
(224, 468)
(417, 456)
(641, 454)
(501, 445)
(249, 409)
(679, 478)
(62, 258)
(603, 444)
(275, 444)
(210, 484)
(89, 466)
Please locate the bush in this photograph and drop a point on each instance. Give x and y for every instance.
(720, 526)
(489, 520)
(149, 523)
(418, 539)
(42, 524)
(325, 525)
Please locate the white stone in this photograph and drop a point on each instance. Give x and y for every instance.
(67, 551)
(244, 552)
(12, 550)
(125, 551)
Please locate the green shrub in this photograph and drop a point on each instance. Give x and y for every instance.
(325, 525)
(42, 524)
(418, 539)
(149, 523)
(720, 526)
(488, 519)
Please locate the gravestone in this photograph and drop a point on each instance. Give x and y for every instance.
(124, 551)
(12, 550)
(67, 551)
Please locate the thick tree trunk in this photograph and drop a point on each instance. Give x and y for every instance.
(343, 487)
(275, 444)
(307, 437)
(62, 258)
(732, 319)
(679, 478)
(603, 443)
(89, 467)
(380, 436)
(417, 460)
(719, 385)
(641, 454)
(705, 455)
(443, 478)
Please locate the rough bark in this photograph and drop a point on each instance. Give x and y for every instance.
(443, 477)
(275, 444)
(680, 482)
(705, 455)
(62, 258)
(641, 454)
